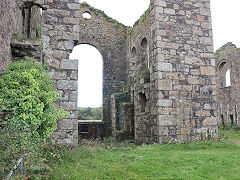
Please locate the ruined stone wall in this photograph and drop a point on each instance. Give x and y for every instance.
(167, 58)
(63, 28)
(186, 84)
(139, 70)
(23, 49)
(9, 24)
(58, 40)
(227, 58)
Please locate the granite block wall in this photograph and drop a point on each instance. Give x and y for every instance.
(166, 59)
(185, 67)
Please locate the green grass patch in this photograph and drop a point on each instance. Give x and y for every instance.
(96, 160)
(230, 132)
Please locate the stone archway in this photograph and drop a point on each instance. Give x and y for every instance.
(62, 29)
(90, 75)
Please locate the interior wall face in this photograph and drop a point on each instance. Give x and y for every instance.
(142, 90)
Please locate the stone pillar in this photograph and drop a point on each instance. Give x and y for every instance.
(58, 37)
(185, 70)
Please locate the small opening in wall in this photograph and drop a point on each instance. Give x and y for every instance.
(145, 52)
(222, 120)
(143, 101)
(236, 115)
(231, 119)
(144, 43)
(75, 42)
(221, 66)
(87, 15)
(134, 52)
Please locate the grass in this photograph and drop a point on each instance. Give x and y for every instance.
(230, 132)
(96, 160)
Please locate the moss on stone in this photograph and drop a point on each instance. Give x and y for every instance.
(97, 12)
(226, 49)
(142, 17)
(120, 99)
(145, 74)
(20, 38)
(140, 20)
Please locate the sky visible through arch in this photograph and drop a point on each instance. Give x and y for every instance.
(225, 20)
(90, 75)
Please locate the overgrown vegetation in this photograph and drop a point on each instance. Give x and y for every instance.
(108, 160)
(120, 99)
(230, 132)
(145, 74)
(90, 113)
(26, 98)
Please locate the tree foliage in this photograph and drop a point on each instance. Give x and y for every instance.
(89, 113)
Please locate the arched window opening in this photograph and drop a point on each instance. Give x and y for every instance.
(134, 52)
(221, 66)
(144, 43)
(228, 78)
(145, 52)
(90, 77)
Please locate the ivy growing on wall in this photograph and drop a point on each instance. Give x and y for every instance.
(120, 98)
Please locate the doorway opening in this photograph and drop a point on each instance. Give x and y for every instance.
(90, 89)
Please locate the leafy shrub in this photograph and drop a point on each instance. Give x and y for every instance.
(26, 97)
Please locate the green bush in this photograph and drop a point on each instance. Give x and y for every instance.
(26, 97)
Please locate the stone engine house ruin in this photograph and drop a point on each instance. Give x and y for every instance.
(227, 71)
(159, 80)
